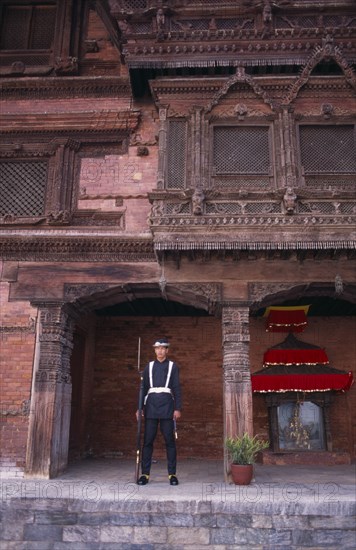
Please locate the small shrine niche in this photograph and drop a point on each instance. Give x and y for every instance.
(299, 422)
(299, 386)
(300, 426)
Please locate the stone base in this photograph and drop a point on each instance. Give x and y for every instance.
(253, 517)
(320, 458)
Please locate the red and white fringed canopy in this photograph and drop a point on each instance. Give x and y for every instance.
(294, 352)
(281, 383)
(286, 318)
(295, 366)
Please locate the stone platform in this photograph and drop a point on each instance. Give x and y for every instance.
(96, 505)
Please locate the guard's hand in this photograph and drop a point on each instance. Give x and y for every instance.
(176, 415)
(137, 414)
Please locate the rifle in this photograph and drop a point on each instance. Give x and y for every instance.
(139, 419)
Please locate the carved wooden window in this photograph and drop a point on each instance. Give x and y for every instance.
(176, 154)
(23, 187)
(40, 37)
(241, 157)
(132, 5)
(28, 27)
(36, 180)
(328, 154)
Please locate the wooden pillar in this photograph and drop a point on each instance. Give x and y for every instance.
(48, 438)
(237, 376)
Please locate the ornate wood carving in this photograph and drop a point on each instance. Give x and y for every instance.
(73, 292)
(198, 38)
(201, 295)
(55, 348)
(70, 87)
(76, 248)
(120, 123)
(237, 379)
(258, 291)
(327, 50)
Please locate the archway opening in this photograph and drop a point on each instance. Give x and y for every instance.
(105, 376)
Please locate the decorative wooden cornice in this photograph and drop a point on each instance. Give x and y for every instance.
(57, 247)
(275, 92)
(84, 121)
(232, 34)
(70, 87)
(253, 221)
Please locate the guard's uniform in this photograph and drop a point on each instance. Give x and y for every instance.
(162, 396)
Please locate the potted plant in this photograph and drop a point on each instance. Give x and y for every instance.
(243, 452)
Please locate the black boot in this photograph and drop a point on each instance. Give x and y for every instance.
(143, 480)
(173, 480)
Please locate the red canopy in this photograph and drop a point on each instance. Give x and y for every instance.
(280, 383)
(306, 356)
(293, 365)
(295, 352)
(281, 320)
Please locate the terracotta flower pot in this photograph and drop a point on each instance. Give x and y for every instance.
(242, 473)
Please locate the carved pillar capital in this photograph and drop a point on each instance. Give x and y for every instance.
(236, 337)
(55, 342)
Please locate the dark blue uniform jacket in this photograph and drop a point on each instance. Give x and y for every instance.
(162, 405)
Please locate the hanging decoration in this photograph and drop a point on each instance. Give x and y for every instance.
(286, 318)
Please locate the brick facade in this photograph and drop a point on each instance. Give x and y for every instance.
(121, 186)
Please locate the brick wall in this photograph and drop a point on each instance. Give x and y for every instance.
(17, 339)
(15, 383)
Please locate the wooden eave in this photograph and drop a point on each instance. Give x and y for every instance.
(203, 34)
(250, 53)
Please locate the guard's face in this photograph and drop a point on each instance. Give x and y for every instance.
(161, 352)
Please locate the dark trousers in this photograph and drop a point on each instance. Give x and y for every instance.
(167, 430)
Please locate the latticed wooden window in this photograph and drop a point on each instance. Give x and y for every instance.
(132, 5)
(23, 187)
(28, 27)
(328, 153)
(176, 154)
(241, 156)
